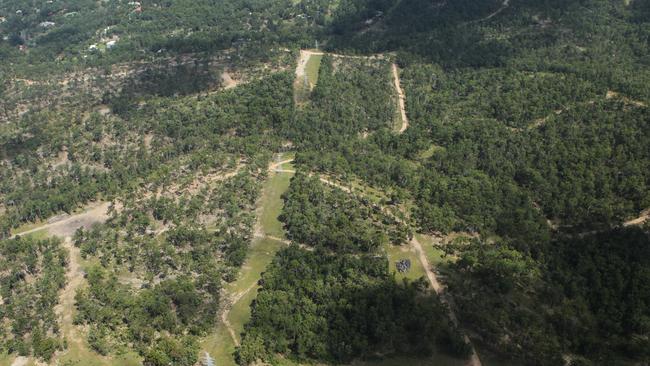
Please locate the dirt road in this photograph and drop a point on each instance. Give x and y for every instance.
(64, 309)
(643, 217)
(400, 99)
(505, 4)
(227, 81)
(440, 290)
(68, 225)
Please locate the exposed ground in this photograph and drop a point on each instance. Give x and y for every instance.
(227, 81)
(504, 5)
(65, 226)
(78, 352)
(400, 99)
(238, 295)
(643, 217)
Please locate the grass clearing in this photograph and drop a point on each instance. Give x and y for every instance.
(6, 359)
(219, 344)
(405, 251)
(26, 227)
(272, 204)
(312, 67)
(434, 256)
(428, 153)
(220, 347)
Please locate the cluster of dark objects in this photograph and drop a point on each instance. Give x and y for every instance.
(403, 265)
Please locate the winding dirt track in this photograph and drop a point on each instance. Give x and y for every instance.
(306, 54)
(497, 12)
(431, 276)
(440, 291)
(400, 99)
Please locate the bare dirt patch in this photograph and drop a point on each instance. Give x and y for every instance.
(616, 95)
(65, 226)
(400, 99)
(643, 217)
(227, 81)
(20, 361)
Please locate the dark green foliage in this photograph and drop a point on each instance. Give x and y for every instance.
(336, 308)
(590, 298)
(169, 351)
(329, 217)
(350, 98)
(175, 306)
(33, 273)
(605, 279)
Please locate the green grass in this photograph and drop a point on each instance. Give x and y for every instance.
(220, 347)
(428, 153)
(260, 255)
(27, 226)
(312, 67)
(38, 235)
(434, 256)
(397, 252)
(83, 356)
(6, 359)
(262, 251)
(272, 204)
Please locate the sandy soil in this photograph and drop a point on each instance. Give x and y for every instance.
(503, 6)
(74, 278)
(400, 99)
(612, 94)
(65, 227)
(444, 298)
(227, 81)
(274, 166)
(20, 361)
(643, 217)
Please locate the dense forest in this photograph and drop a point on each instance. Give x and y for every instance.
(335, 307)
(33, 272)
(331, 218)
(526, 157)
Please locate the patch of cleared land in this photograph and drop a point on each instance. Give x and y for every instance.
(312, 67)
(65, 226)
(78, 351)
(405, 251)
(239, 294)
(400, 99)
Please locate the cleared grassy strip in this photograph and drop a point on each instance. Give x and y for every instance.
(434, 256)
(272, 204)
(220, 347)
(262, 251)
(312, 67)
(27, 227)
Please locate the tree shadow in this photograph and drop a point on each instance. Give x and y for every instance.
(163, 80)
(451, 33)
